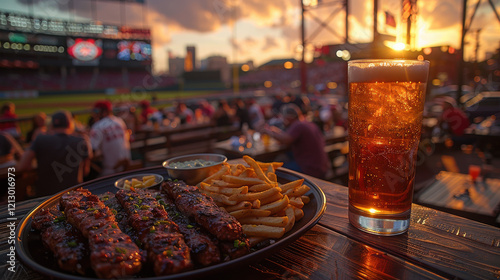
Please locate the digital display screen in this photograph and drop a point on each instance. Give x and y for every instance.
(85, 51)
(133, 51)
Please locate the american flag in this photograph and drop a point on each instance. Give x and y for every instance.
(389, 19)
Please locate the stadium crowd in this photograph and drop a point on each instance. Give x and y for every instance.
(64, 152)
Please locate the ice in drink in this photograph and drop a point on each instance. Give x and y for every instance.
(386, 99)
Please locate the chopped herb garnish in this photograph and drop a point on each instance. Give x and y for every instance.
(59, 219)
(238, 244)
(114, 226)
(158, 196)
(145, 218)
(161, 202)
(168, 253)
(136, 205)
(144, 207)
(190, 226)
(72, 244)
(90, 209)
(114, 211)
(120, 250)
(152, 229)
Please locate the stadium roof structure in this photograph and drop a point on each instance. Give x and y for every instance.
(38, 25)
(278, 62)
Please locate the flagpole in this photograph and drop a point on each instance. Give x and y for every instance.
(303, 70)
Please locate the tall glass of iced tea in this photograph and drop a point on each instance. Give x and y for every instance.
(386, 102)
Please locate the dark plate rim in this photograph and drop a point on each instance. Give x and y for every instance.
(157, 177)
(317, 194)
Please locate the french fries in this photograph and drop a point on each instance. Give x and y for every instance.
(147, 181)
(252, 194)
(263, 231)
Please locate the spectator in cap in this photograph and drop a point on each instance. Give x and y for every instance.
(185, 114)
(147, 111)
(454, 118)
(8, 112)
(110, 138)
(305, 140)
(63, 159)
(454, 121)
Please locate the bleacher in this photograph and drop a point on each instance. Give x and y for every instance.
(80, 79)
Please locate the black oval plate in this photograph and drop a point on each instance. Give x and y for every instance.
(34, 255)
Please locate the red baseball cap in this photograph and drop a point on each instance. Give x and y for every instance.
(103, 105)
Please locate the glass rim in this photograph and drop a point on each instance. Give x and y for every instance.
(388, 60)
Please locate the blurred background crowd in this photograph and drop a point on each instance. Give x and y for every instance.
(64, 150)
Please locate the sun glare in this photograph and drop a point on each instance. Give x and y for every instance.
(395, 46)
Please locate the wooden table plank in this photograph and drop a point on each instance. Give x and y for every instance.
(332, 256)
(484, 197)
(437, 240)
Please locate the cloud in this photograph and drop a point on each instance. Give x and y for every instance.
(193, 15)
(269, 43)
(441, 14)
(251, 42)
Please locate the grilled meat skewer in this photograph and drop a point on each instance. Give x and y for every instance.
(159, 235)
(203, 210)
(67, 244)
(203, 248)
(113, 254)
(109, 199)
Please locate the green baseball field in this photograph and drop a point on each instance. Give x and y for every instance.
(26, 107)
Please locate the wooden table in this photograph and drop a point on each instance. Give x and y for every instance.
(447, 193)
(437, 246)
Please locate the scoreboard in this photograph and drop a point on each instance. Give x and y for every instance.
(55, 42)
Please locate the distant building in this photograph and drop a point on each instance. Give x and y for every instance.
(175, 66)
(190, 60)
(217, 62)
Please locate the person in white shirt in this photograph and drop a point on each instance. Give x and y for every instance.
(257, 119)
(109, 136)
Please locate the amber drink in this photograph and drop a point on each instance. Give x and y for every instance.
(386, 101)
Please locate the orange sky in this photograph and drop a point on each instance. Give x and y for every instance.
(270, 29)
